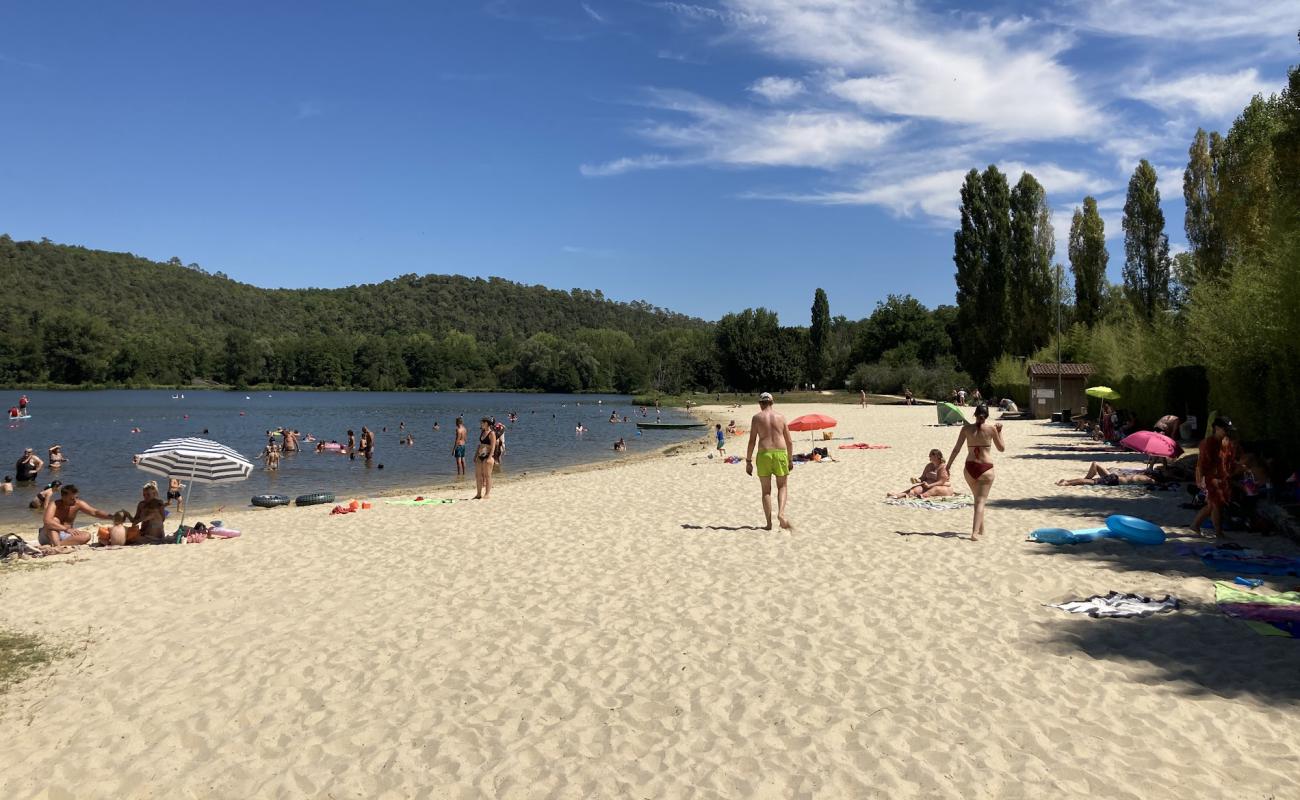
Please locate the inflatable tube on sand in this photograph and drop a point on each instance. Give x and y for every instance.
(1134, 530)
(1062, 536)
(270, 500)
(314, 499)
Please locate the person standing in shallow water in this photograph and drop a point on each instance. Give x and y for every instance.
(458, 449)
(770, 434)
(483, 459)
(979, 472)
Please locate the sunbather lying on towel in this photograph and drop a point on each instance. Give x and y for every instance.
(1100, 476)
(932, 483)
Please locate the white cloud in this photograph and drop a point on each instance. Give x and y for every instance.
(1214, 96)
(776, 90)
(674, 55)
(1186, 20)
(594, 252)
(697, 13)
(725, 135)
(937, 194)
(593, 13)
(631, 164)
(1001, 79)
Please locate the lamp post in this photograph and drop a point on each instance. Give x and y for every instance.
(1060, 398)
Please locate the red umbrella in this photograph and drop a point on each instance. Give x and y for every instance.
(1153, 444)
(813, 422)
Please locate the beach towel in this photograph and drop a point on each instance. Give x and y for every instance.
(933, 503)
(1118, 604)
(864, 446)
(428, 502)
(1266, 614)
(1243, 562)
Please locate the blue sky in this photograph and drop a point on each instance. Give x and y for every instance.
(702, 156)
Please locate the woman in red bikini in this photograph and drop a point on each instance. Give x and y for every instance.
(979, 469)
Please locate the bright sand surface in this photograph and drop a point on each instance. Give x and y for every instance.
(627, 632)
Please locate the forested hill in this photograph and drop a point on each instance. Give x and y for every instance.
(146, 295)
(75, 315)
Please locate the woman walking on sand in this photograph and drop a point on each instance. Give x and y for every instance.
(979, 469)
(483, 459)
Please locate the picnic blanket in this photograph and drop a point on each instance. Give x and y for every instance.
(1266, 614)
(933, 503)
(1118, 604)
(864, 446)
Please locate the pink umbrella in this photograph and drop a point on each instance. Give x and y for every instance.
(1153, 444)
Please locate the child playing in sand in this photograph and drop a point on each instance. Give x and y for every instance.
(932, 483)
(722, 440)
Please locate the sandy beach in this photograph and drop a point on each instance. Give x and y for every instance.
(630, 632)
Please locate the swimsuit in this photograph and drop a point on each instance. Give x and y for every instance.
(721, 440)
(459, 452)
(772, 462)
(484, 454)
(43, 536)
(977, 468)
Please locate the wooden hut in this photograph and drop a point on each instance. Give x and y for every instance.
(1058, 387)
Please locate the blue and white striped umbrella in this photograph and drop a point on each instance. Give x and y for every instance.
(196, 460)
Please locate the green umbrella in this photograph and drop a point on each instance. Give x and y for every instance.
(1104, 392)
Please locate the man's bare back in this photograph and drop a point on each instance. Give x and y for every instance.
(770, 429)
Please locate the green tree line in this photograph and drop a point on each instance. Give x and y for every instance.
(1227, 310)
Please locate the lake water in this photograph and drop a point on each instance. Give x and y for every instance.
(95, 431)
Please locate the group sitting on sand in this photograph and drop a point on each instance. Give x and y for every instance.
(59, 522)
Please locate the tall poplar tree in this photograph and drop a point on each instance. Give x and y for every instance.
(1088, 258)
(818, 333)
(1030, 287)
(1146, 247)
(969, 256)
(1201, 193)
(981, 251)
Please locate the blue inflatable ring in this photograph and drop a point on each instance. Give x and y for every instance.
(1134, 530)
(1062, 536)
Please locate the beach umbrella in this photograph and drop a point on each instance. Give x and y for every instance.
(1102, 392)
(1151, 443)
(813, 422)
(194, 460)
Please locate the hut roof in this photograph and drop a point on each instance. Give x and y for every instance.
(1041, 370)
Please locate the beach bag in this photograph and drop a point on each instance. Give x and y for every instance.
(12, 544)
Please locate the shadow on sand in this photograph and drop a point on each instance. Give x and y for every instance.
(690, 527)
(937, 534)
(1196, 647)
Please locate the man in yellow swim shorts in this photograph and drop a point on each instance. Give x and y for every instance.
(770, 434)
